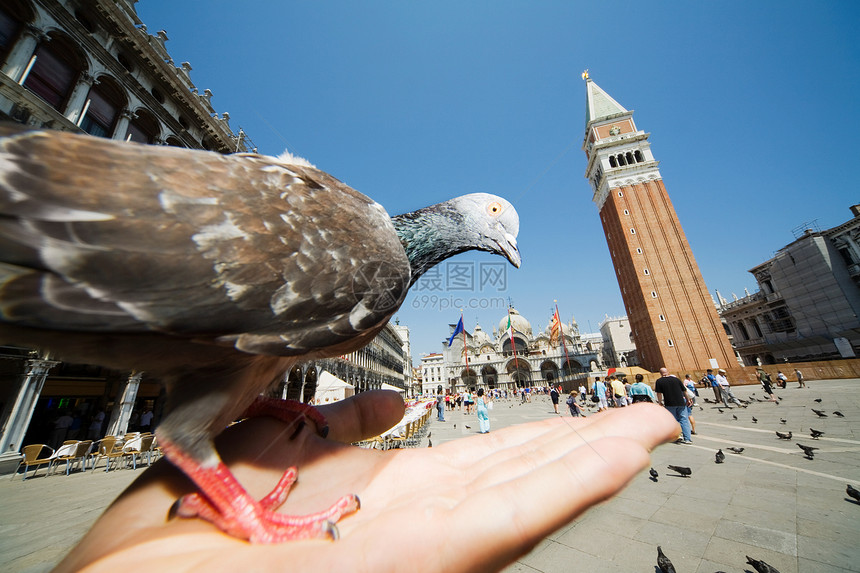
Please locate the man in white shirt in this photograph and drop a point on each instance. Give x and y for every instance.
(725, 390)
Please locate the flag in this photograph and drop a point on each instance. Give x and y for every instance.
(509, 331)
(554, 329)
(457, 331)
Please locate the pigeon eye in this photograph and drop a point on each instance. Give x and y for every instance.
(494, 208)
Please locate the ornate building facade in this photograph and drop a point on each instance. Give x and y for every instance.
(510, 359)
(808, 303)
(673, 318)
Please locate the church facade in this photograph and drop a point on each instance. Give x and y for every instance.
(515, 356)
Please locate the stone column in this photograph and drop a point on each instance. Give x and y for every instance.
(78, 98)
(121, 413)
(125, 116)
(17, 419)
(21, 53)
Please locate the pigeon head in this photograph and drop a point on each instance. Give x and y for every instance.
(478, 221)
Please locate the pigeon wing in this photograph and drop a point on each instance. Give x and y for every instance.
(101, 236)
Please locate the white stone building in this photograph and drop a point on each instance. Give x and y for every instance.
(499, 360)
(619, 350)
(808, 303)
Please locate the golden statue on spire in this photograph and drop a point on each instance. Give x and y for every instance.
(585, 74)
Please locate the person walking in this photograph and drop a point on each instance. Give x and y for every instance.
(640, 391)
(725, 389)
(574, 408)
(690, 384)
(671, 394)
(715, 386)
(618, 392)
(440, 407)
(599, 390)
(781, 379)
(482, 408)
(800, 382)
(764, 378)
(553, 395)
(582, 392)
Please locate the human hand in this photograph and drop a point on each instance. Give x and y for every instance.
(475, 504)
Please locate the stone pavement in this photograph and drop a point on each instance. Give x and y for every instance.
(770, 502)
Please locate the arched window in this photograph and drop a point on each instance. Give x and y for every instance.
(106, 99)
(612, 162)
(143, 128)
(629, 158)
(638, 155)
(621, 160)
(55, 71)
(13, 16)
(174, 141)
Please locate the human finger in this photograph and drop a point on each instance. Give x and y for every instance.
(516, 514)
(364, 415)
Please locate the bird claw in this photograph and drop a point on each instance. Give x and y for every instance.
(262, 524)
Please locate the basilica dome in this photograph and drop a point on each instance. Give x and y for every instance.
(518, 322)
(480, 337)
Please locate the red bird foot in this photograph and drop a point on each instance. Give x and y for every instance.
(226, 504)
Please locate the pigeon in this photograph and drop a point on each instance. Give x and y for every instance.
(720, 457)
(852, 492)
(838, 413)
(429, 443)
(215, 274)
(736, 450)
(735, 417)
(808, 450)
(816, 433)
(468, 427)
(663, 562)
(818, 400)
(761, 566)
(819, 413)
(782, 420)
(681, 470)
(782, 436)
(653, 473)
(720, 410)
(754, 420)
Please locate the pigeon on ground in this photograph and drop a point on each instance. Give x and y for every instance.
(681, 470)
(819, 413)
(782, 420)
(808, 450)
(818, 400)
(734, 417)
(663, 562)
(653, 473)
(816, 433)
(761, 566)
(838, 413)
(215, 274)
(429, 443)
(853, 493)
(720, 410)
(468, 427)
(782, 436)
(719, 457)
(735, 450)
(754, 420)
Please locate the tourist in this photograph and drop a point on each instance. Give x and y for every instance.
(482, 407)
(618, 392)
(764, 378)
(599, 390)
(800, 382)
(574, 408)
(691, 386)
(712, 380)
(725, 390)
(672, 394)
(440, 407)
(582, 392)
(640, 391)
(553, 395)
(781, 379)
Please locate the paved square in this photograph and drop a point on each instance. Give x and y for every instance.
(769, 502)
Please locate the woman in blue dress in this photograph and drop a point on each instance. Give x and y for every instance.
(483, 412)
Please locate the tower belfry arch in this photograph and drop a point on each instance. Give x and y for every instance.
(673, 319)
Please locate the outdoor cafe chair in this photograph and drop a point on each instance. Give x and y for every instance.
(138, 447)
(31, 458)
(107, 449)
(76, 454)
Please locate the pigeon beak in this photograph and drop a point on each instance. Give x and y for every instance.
(509, 248)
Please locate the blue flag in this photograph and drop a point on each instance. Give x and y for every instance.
(457, 331)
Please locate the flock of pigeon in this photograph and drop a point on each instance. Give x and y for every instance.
(663, 562)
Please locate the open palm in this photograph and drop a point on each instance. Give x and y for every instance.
(475, 504)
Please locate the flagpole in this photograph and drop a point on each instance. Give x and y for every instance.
(465, 351)
(561, 334)
(513, 345)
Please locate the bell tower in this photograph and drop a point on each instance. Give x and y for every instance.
(672, 317)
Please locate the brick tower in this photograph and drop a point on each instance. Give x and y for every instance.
(672, 316)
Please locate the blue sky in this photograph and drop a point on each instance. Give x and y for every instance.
(751, 108)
